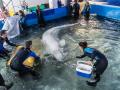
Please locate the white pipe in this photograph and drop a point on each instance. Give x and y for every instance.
(53, 4)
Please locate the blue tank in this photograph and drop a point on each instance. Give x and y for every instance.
(100, 0)
(114, 2)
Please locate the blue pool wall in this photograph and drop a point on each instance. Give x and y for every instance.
(108, 11)
(100, 0)
(114, 2)
(50, 14)
(110, 2)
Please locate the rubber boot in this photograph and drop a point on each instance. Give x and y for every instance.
(92, 83)
(97, 77)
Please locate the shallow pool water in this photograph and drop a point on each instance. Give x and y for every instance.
(101, 34)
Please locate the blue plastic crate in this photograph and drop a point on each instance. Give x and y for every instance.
(83, 74)
(83, 69)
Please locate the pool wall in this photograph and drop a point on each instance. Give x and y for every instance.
(50, 14)
(100, 0)
(108, 11)
(114, 2)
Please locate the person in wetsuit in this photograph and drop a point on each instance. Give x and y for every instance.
(40, 17)
(100, 64)
(70, 10)
(17, 61)
(76, 9)
(3, 38)
(22, 24)
(87, 11)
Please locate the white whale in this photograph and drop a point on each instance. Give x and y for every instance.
(53, 44)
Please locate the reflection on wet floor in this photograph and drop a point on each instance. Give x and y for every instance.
(99, 34)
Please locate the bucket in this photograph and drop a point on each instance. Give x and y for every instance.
(83, 69)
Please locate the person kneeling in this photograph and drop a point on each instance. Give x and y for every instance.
(23, 60)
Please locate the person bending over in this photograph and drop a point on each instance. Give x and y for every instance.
(17, 62)
(100, 64)
(3, 38)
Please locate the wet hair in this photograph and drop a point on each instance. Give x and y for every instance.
(2, 32)
(38, 6)
(28, 44)
(22, 13)
(83, 44)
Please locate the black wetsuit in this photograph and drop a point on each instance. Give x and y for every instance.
(3, 51)
(76, 8)
(59, 4)
(20, 57)
(40, 17)
(87, 12)
(70, 9)
(101, 61)
(17, 61)
(22, 25)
